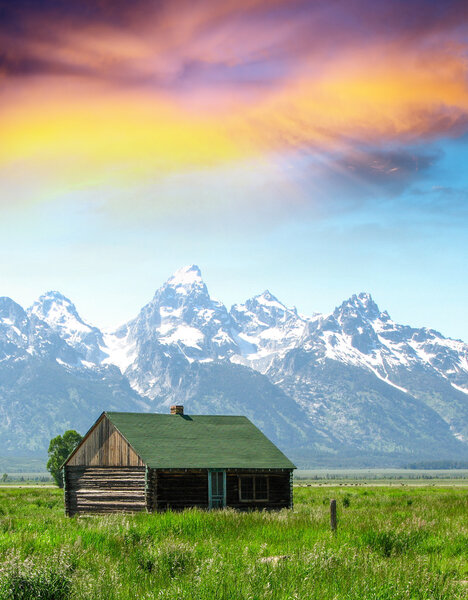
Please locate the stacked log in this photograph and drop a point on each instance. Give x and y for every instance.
(104, 489)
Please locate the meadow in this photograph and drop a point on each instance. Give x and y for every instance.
(391, 544)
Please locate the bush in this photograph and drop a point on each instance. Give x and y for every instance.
(28, 580)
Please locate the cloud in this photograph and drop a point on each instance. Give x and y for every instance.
(166, 37)
(116, 93)
(389, 170)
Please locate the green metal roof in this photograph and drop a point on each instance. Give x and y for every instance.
(198, 442)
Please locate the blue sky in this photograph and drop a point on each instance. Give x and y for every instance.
(408, 249)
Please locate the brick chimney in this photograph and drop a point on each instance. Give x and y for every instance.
(177, 409)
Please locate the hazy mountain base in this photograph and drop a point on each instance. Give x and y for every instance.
(372, 422)
(54, 398)
(40, 398)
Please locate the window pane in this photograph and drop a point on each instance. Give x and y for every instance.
(246, 488)
(261, 488)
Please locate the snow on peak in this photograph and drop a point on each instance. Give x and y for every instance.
(363, 299)
(61, 315)
(55, 295)
(10, 311)
(265, 327)
(267, 299)
(57, 311)
(362, 303)
(186, 276)
(186, 281)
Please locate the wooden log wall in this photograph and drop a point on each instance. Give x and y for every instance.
(104, 489)
(151, 490)
(279, 491)
(131, 489)
(178, 489)
(104, 446)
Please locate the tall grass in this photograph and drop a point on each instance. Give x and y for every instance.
(391, 544)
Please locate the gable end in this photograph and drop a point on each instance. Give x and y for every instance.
(104, 446)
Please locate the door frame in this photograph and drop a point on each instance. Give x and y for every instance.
(210, 488)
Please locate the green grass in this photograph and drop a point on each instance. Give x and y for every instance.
(391, 544)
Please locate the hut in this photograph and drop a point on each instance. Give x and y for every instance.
(145, 461)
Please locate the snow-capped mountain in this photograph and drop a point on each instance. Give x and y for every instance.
(264, 327)
(61, 315)
(182, 314)
(47, 385)
(180, 325)
(22, 336)
(349, 384)
(420, 363)
(359, 334)
(183, 326)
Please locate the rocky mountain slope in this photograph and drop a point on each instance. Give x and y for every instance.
(47, 385)
(352, 385)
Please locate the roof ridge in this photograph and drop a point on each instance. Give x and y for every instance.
(117, 412)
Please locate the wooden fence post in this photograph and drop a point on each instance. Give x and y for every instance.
(333, 523)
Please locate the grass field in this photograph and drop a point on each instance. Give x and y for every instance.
(391, 544)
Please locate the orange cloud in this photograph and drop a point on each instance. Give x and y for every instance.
(388, 94)
(213, 84)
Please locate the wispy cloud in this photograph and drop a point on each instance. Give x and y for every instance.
(98, 93)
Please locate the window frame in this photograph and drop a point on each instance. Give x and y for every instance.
(254, 488)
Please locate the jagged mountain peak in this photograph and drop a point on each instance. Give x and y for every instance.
(55, 295)
(62, 316)
(264, 303)
(59, 312)
(182, 322)
(266, 298)
(361, 304)
(265, 326)
(24, 334)
(267, 295)
(263, 311)
(11, 310)
(186, 277)
(54, 302)
(184, 288)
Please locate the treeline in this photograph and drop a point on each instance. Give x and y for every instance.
(438, 464)
(6, 478)
(364, 476)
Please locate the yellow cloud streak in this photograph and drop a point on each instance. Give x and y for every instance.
(82, 133)
(99, 133)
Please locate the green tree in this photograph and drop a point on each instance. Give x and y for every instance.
(60, 448)
(4, 477)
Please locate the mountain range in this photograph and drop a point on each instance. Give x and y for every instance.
(351, 387)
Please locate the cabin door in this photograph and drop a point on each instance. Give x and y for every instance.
(217, 488)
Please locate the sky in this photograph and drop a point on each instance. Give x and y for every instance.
(316, 149)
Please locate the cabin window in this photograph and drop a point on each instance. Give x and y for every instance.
(253, 488)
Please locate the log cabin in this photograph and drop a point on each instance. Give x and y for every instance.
(131, 462)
